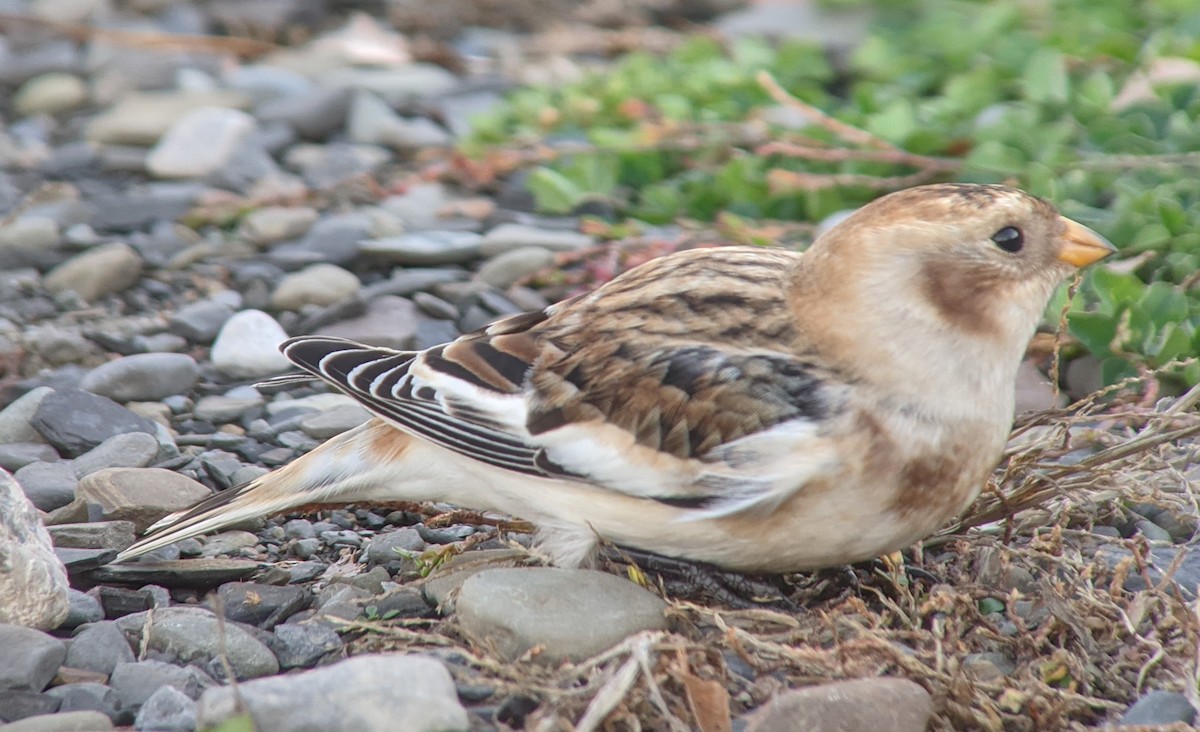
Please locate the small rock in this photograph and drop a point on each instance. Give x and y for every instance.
(17, 455)
(33, 581)
(334, 422)
(222, 408)
(362, 694)
(167, 710)
(228, 542)
(51, 93)
(29, 241)
(507, 237)
(320, 284)
(57, 346)
(516, 609)
(89, 721)
(895, 705)
(84, 609)
(273, 224)
(261, 605)
(28, 658)
(16, 705)
(75, 421)
(105, 270)
(15, 418)
(388, 547)
(371, 121)
(86, 696)
(514, 265)
(142, 118)
(425, 247)
(99, 647)
(143, 377)
(302, 645)
(1159, 707)
(248, 346)
(135, 683)
(98, 535)
(140, 495)
(200, 321)
(390, 322)
(190, 634)
(48, 485)
(130, 450)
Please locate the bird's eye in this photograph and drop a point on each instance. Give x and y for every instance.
(1010, 239)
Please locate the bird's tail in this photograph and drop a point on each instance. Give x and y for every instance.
(344, 469)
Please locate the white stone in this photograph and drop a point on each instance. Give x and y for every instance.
(248, 346)
(33, 582)
(50, 93)
(200, 143)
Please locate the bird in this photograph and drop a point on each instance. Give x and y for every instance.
(753, 408)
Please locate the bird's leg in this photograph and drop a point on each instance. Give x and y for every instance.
(699, 581)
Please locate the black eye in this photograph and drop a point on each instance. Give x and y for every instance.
(1010, 239)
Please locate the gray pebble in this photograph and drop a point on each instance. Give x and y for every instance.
(507, 237)
(189, 634)
(519, 608)
(134, 683)
(364, 694)
(98, 272)
(15, 418)
(1159, 707)
(99, 647)
(28, 658)
(75, 421)
(84, 609)
(425, 247)
(200, 321)
(16, 455)
(143, 377)
(513, 265)
(389, 547)
(167, 710)
(86, 697)
(130, 450)
(302, 645)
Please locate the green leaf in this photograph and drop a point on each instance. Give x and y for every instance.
(1045, 77)
(1096, 331)
(552, 191)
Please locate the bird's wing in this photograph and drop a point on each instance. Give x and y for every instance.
(628, 399)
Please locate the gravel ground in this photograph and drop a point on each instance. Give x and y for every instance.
(168, 214)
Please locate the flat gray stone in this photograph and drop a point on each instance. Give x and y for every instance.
(200, 321)
(1159, 707)
(28, 658)
(16, 455)
(372, 693)
(894, 705)
(390, 322)
(135, 683)
(271, 224)
(514, 265)
(74, 421)
(334, 422)
(144, 117)
(88, 721)
(84, 609)
(222, 408)
(425, 247)
(48, 485)
(98, 535)
(130, 450)
(190, 634)
(15, 418)
(99, 647)
(107, 269)
(86, 696)
(514, 236)
(390, 547)
(513, 610)
(302, 645)
(33, 582)
(143, 377)
(167, 710)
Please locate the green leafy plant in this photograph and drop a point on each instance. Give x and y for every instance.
(1094, 104)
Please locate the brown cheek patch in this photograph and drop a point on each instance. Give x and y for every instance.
(962, 297)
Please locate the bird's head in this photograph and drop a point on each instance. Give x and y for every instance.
(972, 257)
(948, 267)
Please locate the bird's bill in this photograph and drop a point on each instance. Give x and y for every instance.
(1082, 246)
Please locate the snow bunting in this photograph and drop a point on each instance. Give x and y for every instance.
(754, 408)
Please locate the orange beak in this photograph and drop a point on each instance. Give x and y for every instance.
(1082, 246)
